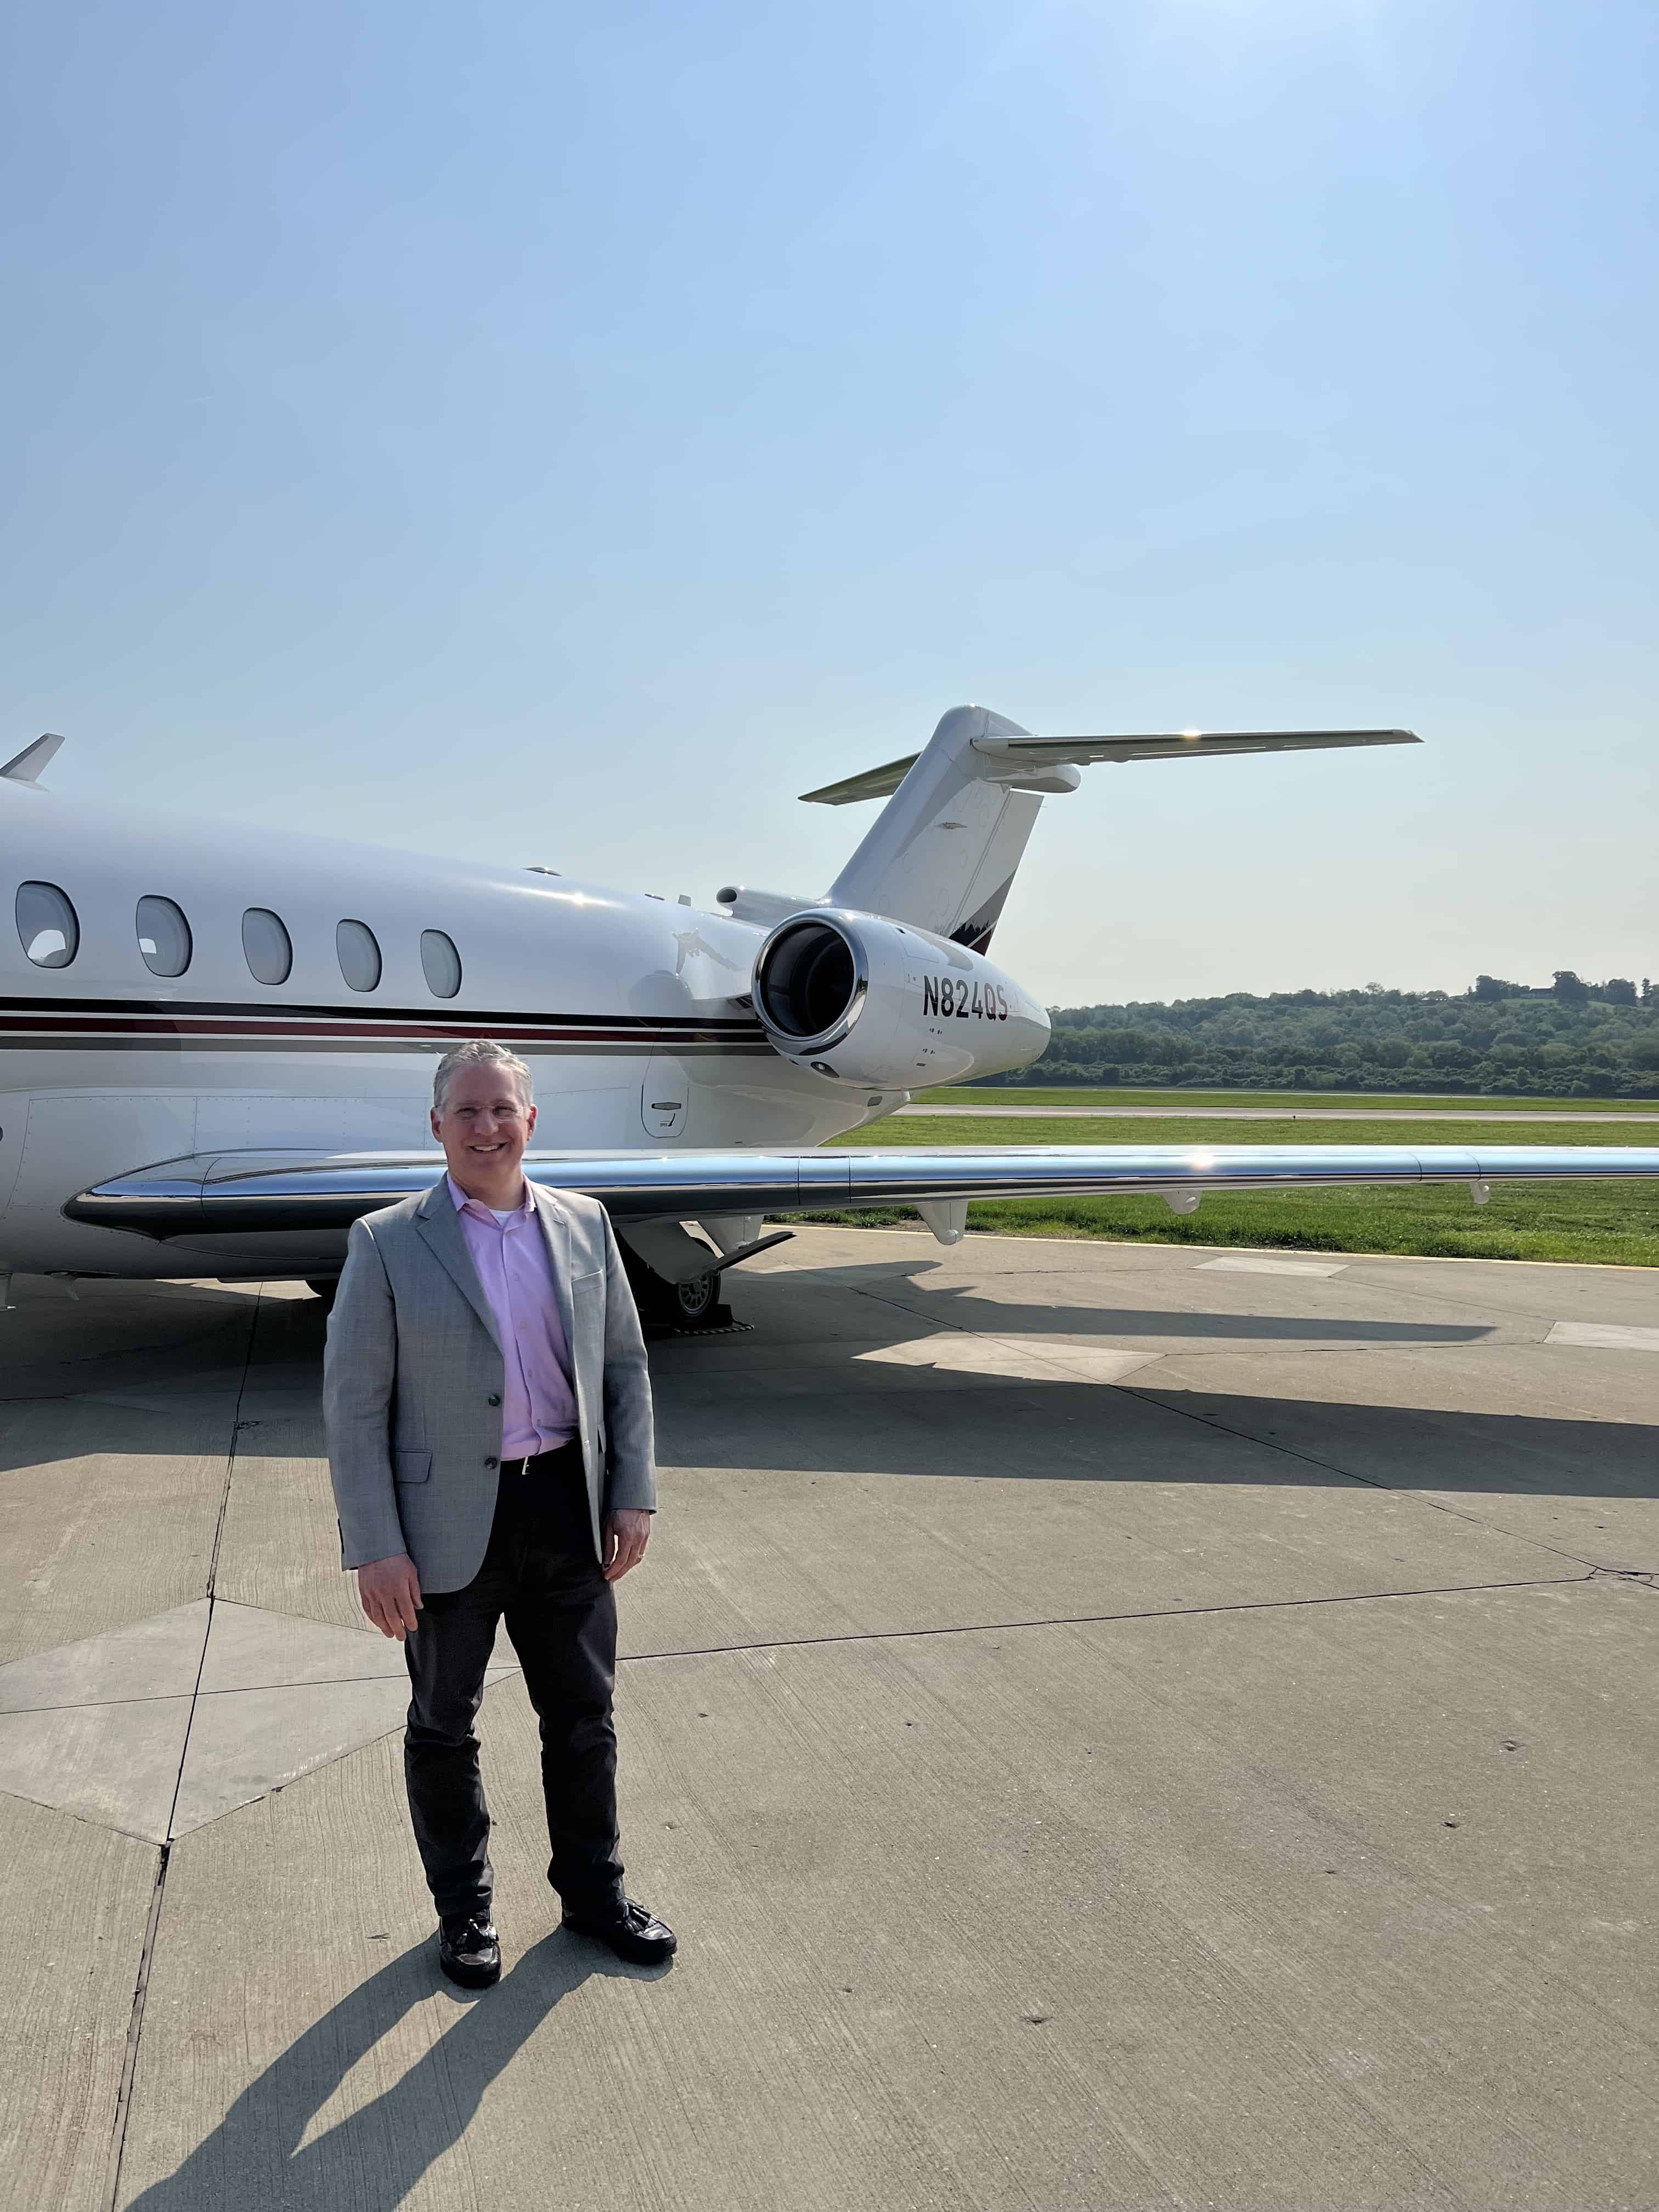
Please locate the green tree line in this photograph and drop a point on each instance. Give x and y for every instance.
(1568, 1039)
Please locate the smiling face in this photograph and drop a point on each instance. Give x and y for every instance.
(483, 1128)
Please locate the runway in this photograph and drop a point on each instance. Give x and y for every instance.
(1175, 1111)
(1114, 1726)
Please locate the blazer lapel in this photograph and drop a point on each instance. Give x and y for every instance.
(556, 1228)
(439, 1224)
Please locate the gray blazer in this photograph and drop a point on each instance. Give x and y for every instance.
(412, 1382)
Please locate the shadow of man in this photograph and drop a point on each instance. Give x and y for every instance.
(371, 2160)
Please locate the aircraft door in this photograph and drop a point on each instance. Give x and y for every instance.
(665, 1098)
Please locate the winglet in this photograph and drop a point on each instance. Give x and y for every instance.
(26, 767)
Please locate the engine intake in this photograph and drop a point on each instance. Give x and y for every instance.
(811, 983)
(866, 1001)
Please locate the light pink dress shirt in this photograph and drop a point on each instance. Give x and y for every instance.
(538, 1405)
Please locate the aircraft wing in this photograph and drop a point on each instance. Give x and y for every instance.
(227, 1193)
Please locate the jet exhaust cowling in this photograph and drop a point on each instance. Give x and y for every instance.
(866, 1001)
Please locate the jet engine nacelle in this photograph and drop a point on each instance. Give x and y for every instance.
(867, 1000)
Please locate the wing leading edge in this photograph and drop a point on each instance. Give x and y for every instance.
(227, 1193)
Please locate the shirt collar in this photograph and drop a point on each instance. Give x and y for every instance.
(463, 1204)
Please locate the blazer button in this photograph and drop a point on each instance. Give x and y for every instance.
(494, 1399)
(492, 1460)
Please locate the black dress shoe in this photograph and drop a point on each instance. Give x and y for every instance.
(469, 1952)
(629, 1929)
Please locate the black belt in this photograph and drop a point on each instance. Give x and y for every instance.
(542, 1459)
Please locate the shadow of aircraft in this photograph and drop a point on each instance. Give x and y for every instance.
(892, 1285)
(1012, 1429)
(937, 1425)
(120, 1335)
(371, 2158)
(1415, 1448)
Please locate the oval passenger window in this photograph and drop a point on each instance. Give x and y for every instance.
(441, 962)
(358, 954)
(163, 937)
(47, 925)
(267, 945)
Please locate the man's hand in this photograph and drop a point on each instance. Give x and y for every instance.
(626, 1533)
(391, 1592)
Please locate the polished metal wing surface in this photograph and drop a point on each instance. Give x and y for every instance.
(224, 1192)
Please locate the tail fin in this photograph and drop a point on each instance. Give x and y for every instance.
(943, 852)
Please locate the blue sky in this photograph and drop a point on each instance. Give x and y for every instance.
(566, 434)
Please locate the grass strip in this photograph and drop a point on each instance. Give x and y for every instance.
(1597, 1222)
(895, 1129)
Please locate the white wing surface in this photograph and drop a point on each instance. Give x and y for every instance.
(227, 1193)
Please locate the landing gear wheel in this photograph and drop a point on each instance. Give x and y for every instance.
(694, 1301)
(693, 1306)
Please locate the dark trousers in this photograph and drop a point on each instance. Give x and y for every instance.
(539, 1572)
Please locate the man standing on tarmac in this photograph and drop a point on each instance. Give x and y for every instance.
(490, 1436)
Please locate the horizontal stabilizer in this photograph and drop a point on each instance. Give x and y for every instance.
(874, 783)
(1033, 754)
(26, 767)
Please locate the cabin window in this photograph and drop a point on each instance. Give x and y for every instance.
(163, 937)
(359, 955)
(269, 948)
(441, 962)
(47, 925)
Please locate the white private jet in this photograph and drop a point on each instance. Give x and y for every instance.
(221, 1042)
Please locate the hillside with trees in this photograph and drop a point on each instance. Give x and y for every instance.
(1569, 1039)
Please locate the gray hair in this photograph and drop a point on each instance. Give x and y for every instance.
(478, 1052)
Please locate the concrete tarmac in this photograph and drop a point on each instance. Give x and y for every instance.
(1113, 1726)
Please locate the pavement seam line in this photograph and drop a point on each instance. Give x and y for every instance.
(213, 1563)
(1149, 1397)
(1639, 1575)
(1102, 1619)
(230, 1690)
(134, 2030)
(153, 1925)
